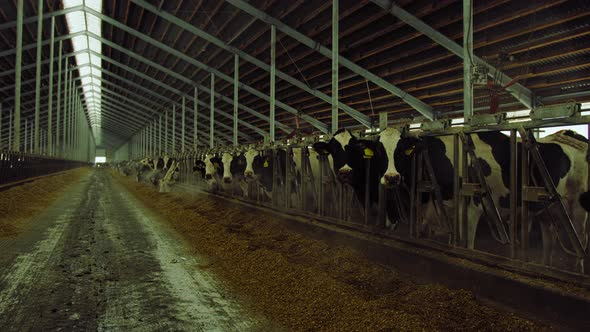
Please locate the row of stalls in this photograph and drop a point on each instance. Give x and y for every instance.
(539, 228)
(18, 166)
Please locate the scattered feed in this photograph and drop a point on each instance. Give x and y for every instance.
(305, 284)
(19, 204)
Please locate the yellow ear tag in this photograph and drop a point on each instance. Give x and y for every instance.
(410, 150)
(368, 153)
(265, 163)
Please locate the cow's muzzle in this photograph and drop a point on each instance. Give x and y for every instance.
(249, 175)
(345, 176)
(208, 176)
(227, 179)
(392, 180)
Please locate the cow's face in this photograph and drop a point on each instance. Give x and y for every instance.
(209, 167)
(404, 151)
(166, 162)
(250, 155)
(390, 138)
(226, 160)
(199, 167)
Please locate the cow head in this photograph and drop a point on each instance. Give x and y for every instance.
(212, 163)
(226, 159)
(344, 148)
(405, 150)
(250, 155)
(390, 138)
(166, 161)
(199, 167)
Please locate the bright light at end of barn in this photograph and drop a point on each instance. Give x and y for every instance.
(100, 160)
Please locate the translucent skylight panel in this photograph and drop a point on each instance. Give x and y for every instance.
(80, 21)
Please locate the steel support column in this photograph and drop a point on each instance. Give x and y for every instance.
(196, 118)
(65, 108)
(160, 138)
(467, 58)
(236, 88)
(166, 136)
(183, 120)
(18, 70)
(174, 128)
(10, 120)
(212, 112)
(50, 106)
(38, 73)
(335, 54)
(273, 69)
(58, 109)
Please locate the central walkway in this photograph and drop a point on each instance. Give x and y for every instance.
(98, 260)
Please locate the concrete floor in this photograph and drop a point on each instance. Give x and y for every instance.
(98, 260)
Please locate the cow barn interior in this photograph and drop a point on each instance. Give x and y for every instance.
(271, 165)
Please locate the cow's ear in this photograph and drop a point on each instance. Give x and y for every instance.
(322, 148)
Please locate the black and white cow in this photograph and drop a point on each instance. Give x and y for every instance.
(564, 154)
(260, 167)
(350, 155)
(170, 173)
(234, 165)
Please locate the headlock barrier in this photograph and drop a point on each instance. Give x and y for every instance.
(18, 166)
(492, 186)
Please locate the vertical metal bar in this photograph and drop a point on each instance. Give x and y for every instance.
(38, 73)
(183, 124)
(212, 113)
(31, 139)
(18, 70)
(160, 138)
(65, 108)
(456, 190)
(58, 108)
(166, 136)
(195, 120)
(513, 190)
(335, 55)
(0, 125)
(26, 127)
(273, 54)
(467, 60)
(524, 205)
(173, 128)
(236, 86)
(50, 106)
(10, 147)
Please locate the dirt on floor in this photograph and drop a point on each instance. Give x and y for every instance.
(19, 204)
(306, 284)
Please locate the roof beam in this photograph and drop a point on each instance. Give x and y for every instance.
(316, 123)
(32, 19)
(186, 80)
(360, 117)
(416, 103)
(520, 92)
(180, 93)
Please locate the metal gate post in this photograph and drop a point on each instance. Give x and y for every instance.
(195, 120)
(160, 137)
(38, 75)
(367, 190)
(524, 206)
(456, 191)
(413, 198)
(513, 191)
